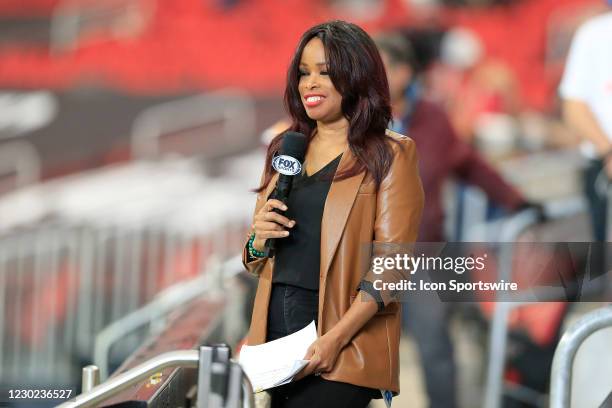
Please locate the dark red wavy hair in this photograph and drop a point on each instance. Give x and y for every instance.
(358, 74)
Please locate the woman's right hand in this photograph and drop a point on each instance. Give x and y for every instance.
(269, 224)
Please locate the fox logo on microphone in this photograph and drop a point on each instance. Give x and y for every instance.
(287, 165)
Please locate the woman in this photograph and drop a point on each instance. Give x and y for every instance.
(360, 185)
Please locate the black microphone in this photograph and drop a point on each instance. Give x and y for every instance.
(288, 163)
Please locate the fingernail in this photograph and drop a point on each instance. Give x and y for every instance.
(284, 207)
(291, 223)
(285, 233)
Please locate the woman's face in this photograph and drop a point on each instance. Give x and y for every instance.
(320, 98)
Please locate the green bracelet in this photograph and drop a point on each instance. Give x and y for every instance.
(252, 251)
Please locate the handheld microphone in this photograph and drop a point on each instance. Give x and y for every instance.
(288, 163)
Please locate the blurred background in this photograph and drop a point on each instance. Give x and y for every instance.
(131, 132)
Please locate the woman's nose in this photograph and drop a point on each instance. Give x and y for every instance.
(312, 82)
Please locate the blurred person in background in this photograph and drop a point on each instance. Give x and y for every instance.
(586, 89)
(472, 87)
(442, 156)
(359, 182)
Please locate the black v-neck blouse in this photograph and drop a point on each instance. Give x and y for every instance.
(297, 257)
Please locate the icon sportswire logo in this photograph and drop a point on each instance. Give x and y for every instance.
(287, 165)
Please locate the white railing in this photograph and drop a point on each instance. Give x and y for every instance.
(100, 246)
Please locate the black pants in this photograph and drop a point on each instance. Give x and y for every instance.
(291, 309)
(314, 391)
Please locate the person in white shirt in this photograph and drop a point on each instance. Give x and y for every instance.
(586, 90)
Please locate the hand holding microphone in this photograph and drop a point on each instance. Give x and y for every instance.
(288, 163)
(269, 223)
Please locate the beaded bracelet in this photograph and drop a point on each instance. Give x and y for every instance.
(252, 251)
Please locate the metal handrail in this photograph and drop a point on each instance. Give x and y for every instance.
(237, 113)
(511, 230)
(70, 19)
(181, 358)
(494, 230)
(497, 340)
(21, 157)
(99, 393)
(171, 298)
(563, 360)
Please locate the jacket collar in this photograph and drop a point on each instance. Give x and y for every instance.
(338, 204)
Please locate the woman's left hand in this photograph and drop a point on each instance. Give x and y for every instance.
(322, 355)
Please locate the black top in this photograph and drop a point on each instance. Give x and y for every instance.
(297, 257)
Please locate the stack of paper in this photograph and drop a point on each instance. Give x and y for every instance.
(277, 362)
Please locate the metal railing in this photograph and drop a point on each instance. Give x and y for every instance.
(164, 303)
(82, 252)
(19, 158)
(511, 229)
(574, 337)
(97, 258)
(205, 360)
(232, 108)
(563, 360)
(61, 285)
(119, 18)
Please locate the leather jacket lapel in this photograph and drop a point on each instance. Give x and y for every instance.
(338, 204)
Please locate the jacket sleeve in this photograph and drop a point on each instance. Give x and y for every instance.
(471, 167)
(399, 205)
(254, 266)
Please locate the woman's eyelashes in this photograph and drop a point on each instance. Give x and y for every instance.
(303, 73)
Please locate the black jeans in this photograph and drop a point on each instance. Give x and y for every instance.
(291, 309)
(316, 392)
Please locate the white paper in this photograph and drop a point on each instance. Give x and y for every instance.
(276, 362)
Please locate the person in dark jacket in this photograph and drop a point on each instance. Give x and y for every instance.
(442, 156)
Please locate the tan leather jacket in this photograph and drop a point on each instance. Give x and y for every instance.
(355, 214)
